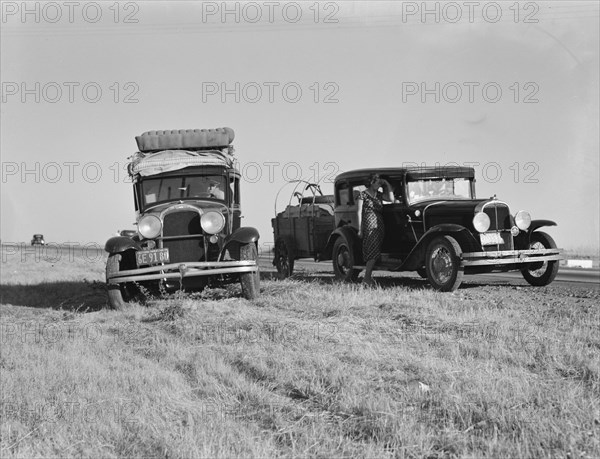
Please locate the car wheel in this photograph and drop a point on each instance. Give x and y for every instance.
(119, 295)
(343, 261)
(250, 282)
(443, 265)
(284, 261)
(543, 272)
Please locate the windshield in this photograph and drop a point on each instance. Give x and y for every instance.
(421, 190)
(185, 187)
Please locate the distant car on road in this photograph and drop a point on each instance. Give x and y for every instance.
(38, 239)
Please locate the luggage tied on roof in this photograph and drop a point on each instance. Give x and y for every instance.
(165, 151)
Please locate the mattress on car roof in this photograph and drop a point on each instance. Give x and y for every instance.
(185, 139)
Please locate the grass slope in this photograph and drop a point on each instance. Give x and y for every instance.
(311, 369)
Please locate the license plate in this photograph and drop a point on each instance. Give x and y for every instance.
(491, 239)
(152, 257)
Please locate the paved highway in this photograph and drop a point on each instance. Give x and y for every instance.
(567, 275)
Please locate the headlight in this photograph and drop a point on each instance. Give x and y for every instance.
(481, 222)
(149, 226)
(212, 222)
(522, 220)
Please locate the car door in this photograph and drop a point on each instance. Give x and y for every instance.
(398, 236)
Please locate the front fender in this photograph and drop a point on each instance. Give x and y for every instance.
(459, 232)
(244, 235)
(535, 224)
(350, 234)
(524, 237)
(120, 244)
(462, 235)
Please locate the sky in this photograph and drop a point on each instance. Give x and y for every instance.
(311, 89)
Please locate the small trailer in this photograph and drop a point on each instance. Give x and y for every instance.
(303, 228)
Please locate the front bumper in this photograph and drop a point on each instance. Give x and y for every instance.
(510, 257)
(182, 270)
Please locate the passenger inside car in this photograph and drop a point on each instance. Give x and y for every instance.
(215, 190)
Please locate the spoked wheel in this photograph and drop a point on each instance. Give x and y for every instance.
(543, 272)
(284, 260)
(443, 265)
(120, 295)
(250, 282)
(343, 261)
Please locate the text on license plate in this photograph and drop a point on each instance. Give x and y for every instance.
(491, 239)
(152, 257)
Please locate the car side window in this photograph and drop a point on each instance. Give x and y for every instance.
(343, 194)
(397, 191)
(234, 184)
(356, 190)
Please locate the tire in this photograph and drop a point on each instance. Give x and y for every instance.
(343, 261)
(284, 260)
(119, 295)
(443, 264)
(544, 272)
(250, 282)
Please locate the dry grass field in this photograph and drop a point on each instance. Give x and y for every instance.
(310, 369)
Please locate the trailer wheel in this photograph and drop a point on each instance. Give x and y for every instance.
(343, 261)
(284, 260)
(543, 272)
(119, 295)
(250, 282)
(442, 262)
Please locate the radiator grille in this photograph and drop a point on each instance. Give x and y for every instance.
(499, 217)
(184, 223)
(500, 222)
(181, 223)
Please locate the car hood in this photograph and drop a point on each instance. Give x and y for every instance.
(438, 206)
(202, 205)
